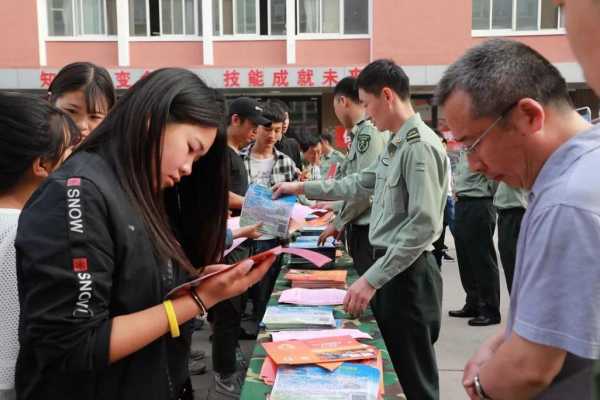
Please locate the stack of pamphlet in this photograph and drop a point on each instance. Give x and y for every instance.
(311, 243)
(312, 279)
(295, 318)
(350, 381)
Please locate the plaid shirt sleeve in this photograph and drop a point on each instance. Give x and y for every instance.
(284, 169)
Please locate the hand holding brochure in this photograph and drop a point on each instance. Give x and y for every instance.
(318, 259)
(275, 215)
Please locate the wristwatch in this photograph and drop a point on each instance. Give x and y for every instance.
(479, 389)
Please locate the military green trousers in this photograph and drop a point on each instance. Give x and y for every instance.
(509, 225)
(474, 225)
(408, 311)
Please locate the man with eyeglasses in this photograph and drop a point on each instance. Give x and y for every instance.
(474, 225)
(583, 32)
(512, 109)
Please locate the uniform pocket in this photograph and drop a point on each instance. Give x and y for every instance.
(396, 196)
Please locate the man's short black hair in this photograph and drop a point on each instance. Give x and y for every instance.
(281, 104)
(327, 136)
(384, 73)
(273, 111)
(347, 88)
(308, 141)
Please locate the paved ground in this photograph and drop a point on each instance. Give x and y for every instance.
(457, 340)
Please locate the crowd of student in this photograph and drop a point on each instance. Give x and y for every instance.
(106, 205)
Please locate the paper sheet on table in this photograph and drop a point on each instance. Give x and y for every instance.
(304, 335)
(234, 223)
(313, 297)
(312, 256)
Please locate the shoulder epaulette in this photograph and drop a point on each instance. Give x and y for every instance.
(413, 136)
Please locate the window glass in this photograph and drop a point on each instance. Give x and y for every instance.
(308, 16)
(527, 15)
(60, 17)
(227, 17)
(502, 14)
(190, 27)
(246, 16)
(550, 17)
(278, 17)
(331, 16)
(356, 16)
(481, 14)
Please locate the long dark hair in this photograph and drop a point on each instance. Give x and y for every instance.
(30, 128)
(131, 138)
(93, 80)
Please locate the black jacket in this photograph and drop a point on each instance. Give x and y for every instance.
(84, 257)
(291, 148)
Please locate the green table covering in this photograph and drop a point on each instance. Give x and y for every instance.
(254, 388)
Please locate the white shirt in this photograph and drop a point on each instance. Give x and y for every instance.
(9, 298)
(261, 170)
(260, 173)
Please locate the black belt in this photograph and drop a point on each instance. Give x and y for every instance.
(467, 198)
(355, 227)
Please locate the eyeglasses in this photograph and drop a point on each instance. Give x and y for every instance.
(471, 148)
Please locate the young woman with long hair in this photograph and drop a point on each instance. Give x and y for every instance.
(139, 208)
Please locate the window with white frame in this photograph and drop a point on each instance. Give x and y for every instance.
(505, 16)
(165, 17)
(332, 16)
(249, 17)
(82, 17)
